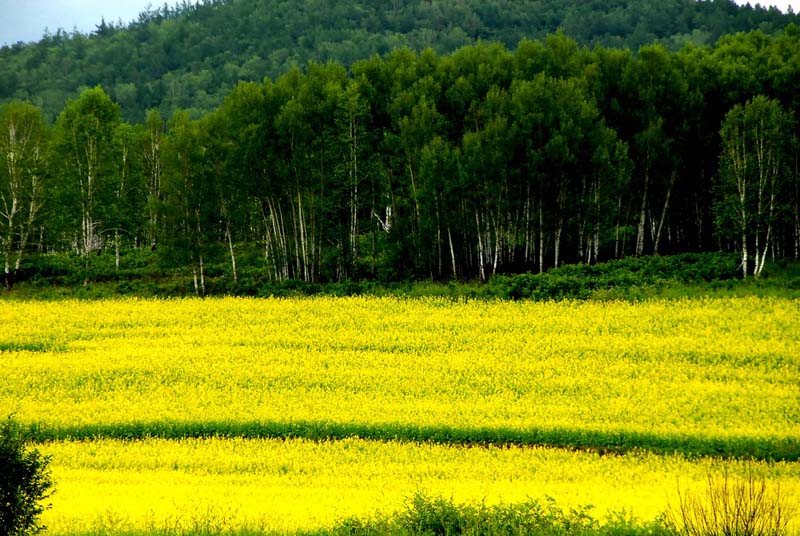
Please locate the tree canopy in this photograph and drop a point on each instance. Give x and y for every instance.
(190, 56)
(423, 165)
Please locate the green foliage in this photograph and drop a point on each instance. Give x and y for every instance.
(754, 175)
(23, 179)
(142, 273)
(620, 279)
(24, 483)
(418, 166)
(615, 442)
(84, 201)
(436, 516)
(190, 56)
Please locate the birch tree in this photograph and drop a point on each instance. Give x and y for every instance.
(191, 205)
(23, 157)
(152, 147)
(753, 170)
(126, 206)
(86, 151)
(351, 119)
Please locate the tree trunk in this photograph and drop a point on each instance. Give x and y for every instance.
(497, 244)
(303, 238)
(744, 254)
(562, 195)
(452, 252)
(7, 245)
(642, 216)
(480, 247)
(557, 242)
(596, 233)
(279, 223)
(439, 241)
(657, 239)
(353, 190)
(230, 249)
(116, 250)
(202, 276)
(527, 222)
(194, 279)
(541, 237)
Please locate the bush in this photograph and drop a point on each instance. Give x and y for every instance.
(24, 483)
(435, 516)
(746, 506)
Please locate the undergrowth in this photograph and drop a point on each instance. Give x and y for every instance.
(631, 279)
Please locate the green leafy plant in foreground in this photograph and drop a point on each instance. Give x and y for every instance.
(24, 483)
(437, 516)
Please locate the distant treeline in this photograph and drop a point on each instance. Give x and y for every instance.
(190, 56)
(416, 165)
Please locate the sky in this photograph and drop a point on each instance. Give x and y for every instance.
(26, 20)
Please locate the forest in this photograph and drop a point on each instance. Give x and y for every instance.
(422, 165)
(191, 56)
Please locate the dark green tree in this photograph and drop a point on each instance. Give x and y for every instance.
(87, 177)
(25, 482)
(191, 205)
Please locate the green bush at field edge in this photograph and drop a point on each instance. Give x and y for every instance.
(141, 274)
(24, 483)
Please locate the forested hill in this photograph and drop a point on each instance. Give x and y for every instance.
(191, 56)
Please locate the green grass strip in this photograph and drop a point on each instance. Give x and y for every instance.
(603, 442)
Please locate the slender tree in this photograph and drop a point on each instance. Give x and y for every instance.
(753, 172)
(23, 161)
(85, 146)
(152, 163)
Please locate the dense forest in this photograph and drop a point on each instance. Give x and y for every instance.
(190, 56)
(421, 165)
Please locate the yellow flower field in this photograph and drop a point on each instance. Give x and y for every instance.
(693, 377)
(717, 368)
(297, 484)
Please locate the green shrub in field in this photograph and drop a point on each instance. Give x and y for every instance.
(24, 483)
(620, 279)
(436, 516)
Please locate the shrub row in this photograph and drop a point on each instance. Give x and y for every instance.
(141, 274)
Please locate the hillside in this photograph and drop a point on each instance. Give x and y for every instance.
(190, 57)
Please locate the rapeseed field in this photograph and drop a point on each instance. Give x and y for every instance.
(290, 414)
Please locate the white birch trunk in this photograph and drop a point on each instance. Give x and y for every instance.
(116, 249)
(541, 238)
(33, 209)
(10, 145)
(657, 239)
(480, 247)
(452, 252)
(642, 216)
(231, 250)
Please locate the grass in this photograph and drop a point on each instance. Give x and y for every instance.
(142, 274)
(604, 443)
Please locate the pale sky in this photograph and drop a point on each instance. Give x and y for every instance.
(26, 20)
